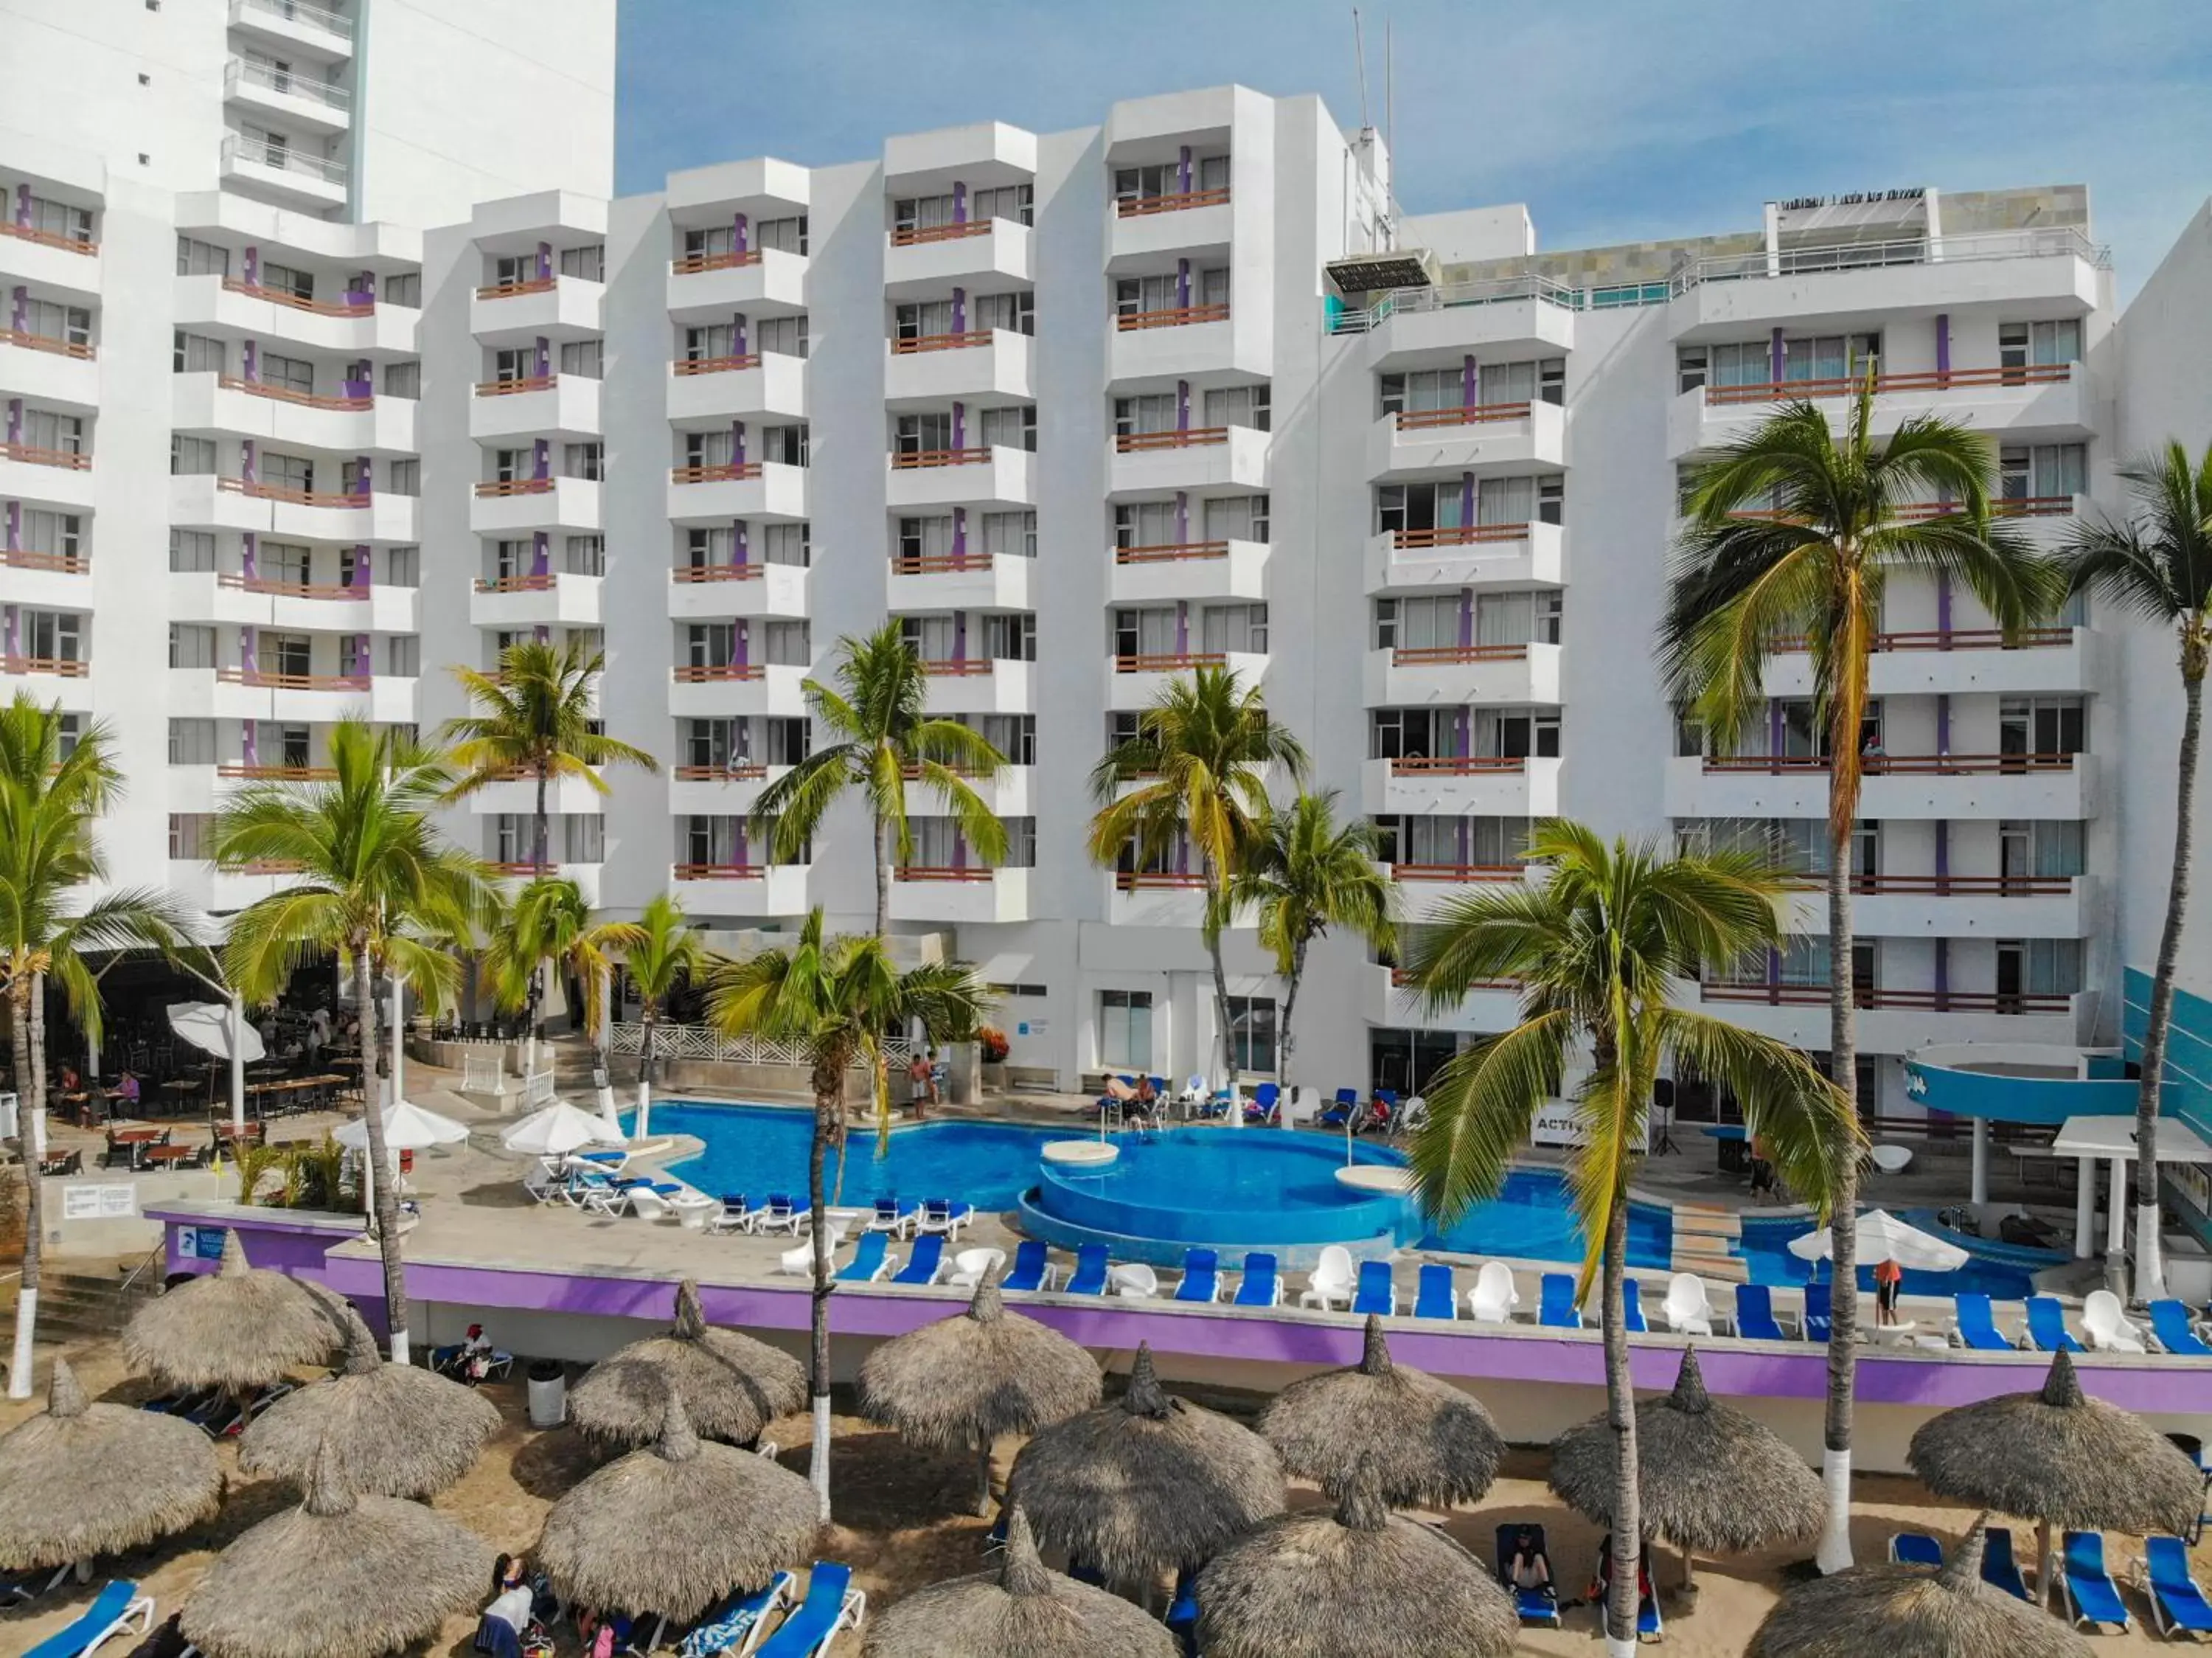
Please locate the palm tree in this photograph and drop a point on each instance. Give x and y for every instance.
(1306, 874)
(837, 997)
(882, 739)
(2160, 566)
(548, 920)
(1794, 533)
(1200, 760)
(1597, 947)
(50, 801)
(378, 885)
(660, 950)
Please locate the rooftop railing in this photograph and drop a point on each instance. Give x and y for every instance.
(297, 11)
(2053, 241)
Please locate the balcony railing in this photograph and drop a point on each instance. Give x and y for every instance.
(519, 866)
(1138, 207)
(286, 493)
(1497, 291)
(283, 158)
(1957, 638)
(270, 679)
(717, 672)
(721, 872)
(967, 873)
(25, 340)
(1126, 322)
(714, 365)
(688, 264)
(1931, 379)
(736, 772)
(515, 387)
(1161, 880)
(1474, 415)
(916, 459)
(513, 290)
(1169, 662)
(1457, 873)
(913, 234)
(289, 85)
(286, 394)
(298, 11)
(1401, 978)
(937, 563)
(957, 668)
(1961, 886)
(721, 472)
(1816, 995)
(1442, 655)
(240, 771)
(1460, 535)
(1171, 552)
(537, 582)
(48, 238)
(684, 575)
(2049, 242)
(959, 341)
(1458, 765)
(2006, 506)
(1874, 765)
(70, 459)
(353, 305)
(56, 564)
(66, 667)
(239, 582)
(493, 488)
(1190, 437)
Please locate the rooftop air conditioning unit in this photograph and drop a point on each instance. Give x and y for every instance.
(1379, 273)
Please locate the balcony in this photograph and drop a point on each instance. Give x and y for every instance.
(1198, 459)
(515, 795)
(2020, 786)
(1956, 906)
(959, 581)
(1172, 898)
(47, 581)
(54, 374)
(1487, 439)
(750, 489)
(1183, 343)
(1388, 999)
(1426, 891)
(58, 265)
(235, 599)
(1463, 675)
(1136, 682)
(733, 690)
(350, 325)
(1459, 786)
(241, 693)
(760, 281)
(512, 872)
(715, 591)
(2043, 402)
(1147, 227)
(1477, 555)
(207, 501)
(56, 478)
(300, 103)
(1009, 795)
(991, 475)
(923, 262)
(550, 600)
(2049, 271)
(1508, 318)
(711, 392)
(1897, 1020)
(352, 421)
(1190, 571)
(556, 406)
(294, 23)
(548, 308)
(1959, 661)
(990, 364)
(981, 685)
(282, 174)
(708, 791)
(48, 681)
(959, 895)
(741, 889)
(521, 504)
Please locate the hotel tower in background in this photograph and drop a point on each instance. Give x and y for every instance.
(330, 362)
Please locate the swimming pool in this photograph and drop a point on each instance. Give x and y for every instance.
(2001, 1270)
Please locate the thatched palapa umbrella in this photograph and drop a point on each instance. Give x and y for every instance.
(2061, 1459)
(732, 1386)
(1910, 1611)
(1146, 1485)
(239, 1328)
(1020, 1610)
(86, 1480)
(1710, 1478)
(1419, 1440)
(673, 1528)
(1358, 1583)
(961, 1382)
(391, 1430)
(339, 1576)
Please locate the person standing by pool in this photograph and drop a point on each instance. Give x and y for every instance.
(1888, 1277)
(919, 1090)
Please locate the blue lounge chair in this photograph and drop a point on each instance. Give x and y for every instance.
(1262, 1108)
(779, 1216)
(2046, 1326)
(1263, 1283)
(1914, 1549)
(1032, 1267)
(118, 1610)
(2176, 1602)
(942, 1216)
(1556, 1303)
(1388, 1100)
(1977, 1327)
(1632, 1308)
(735, 1628)
(892, 1217)
(2169, 1323)
(869, 1261)
(1348, 1102)
(736, 1214)
(832, 1604)
(1089, 1278)
(1181, 1618)
(2090, 1596)
(1819, 1310)
(1998, 1566)
(927, 1264)
(1532, 1606)
(1650, 1625)
(1377, 1293)
(1201, 1277)
(1435, 1297)
(1755, 1314)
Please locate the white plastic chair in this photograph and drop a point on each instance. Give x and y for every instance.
(1304, 1106)
(1331, 1280)
(1492, 1299)
(969, 1266)
(1891, 1159)
(646, 1201)
(2108, 1325)
(797, 1263)
(1687, 1308)
(1134, 1280)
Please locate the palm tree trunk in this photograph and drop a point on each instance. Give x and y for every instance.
(1221, 988)
(883, 879)
(828, 1099)
(381, 1175)
(31, 1097)
(1620, 1602)
(1290, 1006)
(2150, 1266)
(540, 824)
(1834, 1553)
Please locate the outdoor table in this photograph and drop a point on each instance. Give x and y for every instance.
(156, 1156)
(692, 1209)
(1734, 1155)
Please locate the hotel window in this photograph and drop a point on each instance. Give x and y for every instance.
(400, 477)
(287, 472)
(787, 544)
(588, 263)
(45, 429)
(1417, 624)
(585, 358)
(1008, 201)
(59, 219)
(784, 445)
(192, 550)
(1515, 733)
(1146, 524)
(933, 638)
(284, 562)
(711, 644)
(2051, 848)
(192, 742)
(403, 567)
(1237, 405)
(1149, 631)
(923, 212)
(2038, 344)
(201, 258)
(584, 555)
(190, 645)
(1012, 427)
(191, 836)
(1125, 1030)
(2043, 472)
(1015, 312)
(785, 235)
(1237, 518)
(1252, 1034)
(923, 434)
(511, 364)
(402, 380)
(286, 279)
(1010, 637)
(291, 374)
(512, 270)
(717, 842)
(1829, 356)
(710, 241)
(925, 538)
(1121, 728)
(2038, 967)
(1743, 362)
(716, 745)
(584, 461)
(190, 456)
(922, 320)
(2041, 725)
(1013, 735)
(1141, 295)
(1166, 178)
(1009, 534)
(69, 324)
(781, 336)
(1234, 628)
(584, 835)
(712, 343)
(1422, 390)
(788, 644)
(718, 447)
(1142, 415)
(404, 288)
(56, 534)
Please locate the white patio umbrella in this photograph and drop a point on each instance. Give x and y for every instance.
(559, 1128)
(1883, 1237)
(407, 1127)
(206, 1025)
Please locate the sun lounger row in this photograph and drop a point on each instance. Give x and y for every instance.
(739, 1626)
(2178, 1606)
(118, 1610)
(890, 1215)
(214, 1411)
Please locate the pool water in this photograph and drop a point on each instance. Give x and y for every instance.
(2001, 1270)
(1533, 1216)
(758, 1149)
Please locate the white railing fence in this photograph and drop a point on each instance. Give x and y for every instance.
(484, 1073)
(537, 1088)
(699, 1042)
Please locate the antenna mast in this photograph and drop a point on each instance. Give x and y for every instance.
(1359, 46)
(1389, 99)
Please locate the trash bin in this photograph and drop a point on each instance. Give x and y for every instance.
(549, 1393)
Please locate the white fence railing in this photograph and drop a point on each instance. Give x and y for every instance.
(537, 1088)
(2048, 242)
(699, 1042)
(484, 1073)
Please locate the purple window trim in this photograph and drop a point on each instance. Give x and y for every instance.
(1942, 847)
(249, 742)
(249, 651)
(738, 331)
(1943, 603)
(544, 356)
(959, 202)
(544, 261)
(960, 310)
(250, 266)
(11, 622)
(1469, 500)
(1182, 170)
(1942, 965)
(1466, 617)
(540, 552)
(14, 527)
(1182, 627)
(1943, 343)
(14, 420)
(246, 460)
(1943, 724)
(364, 478)
(740, 543)
(1775, 357)
(959, 635)
(745, 641)
(1183, 406)
(959, 531)
(250, 556)
(738, 227)
(737, 442)
(959, 426)
(1470, 382)
(23, 205)
(1183, 285)
(1462, 741)
(250, 363)
(1182, 517)
(541, 459)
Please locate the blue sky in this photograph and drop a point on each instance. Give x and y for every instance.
(1613, 119)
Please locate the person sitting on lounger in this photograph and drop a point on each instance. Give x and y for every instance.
(506, 1621)
(1528, 1568)
(474, 1358)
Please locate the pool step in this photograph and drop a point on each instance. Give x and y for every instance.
(1703, 1235)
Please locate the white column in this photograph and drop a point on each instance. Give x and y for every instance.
(238, 1063)
(1979, 1185)
(2085, 1208)
(2117, 1243)
(398, 1035)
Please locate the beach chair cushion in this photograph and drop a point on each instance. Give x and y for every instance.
(1999, 1567)
(1436, 1298)
(1032, 1266)
(1377, 1293)
(2169, 1323)
(1531, 1606)
(1915, 1549)
(2046, 1326)
(927, 1262)
(2174, 1596)
(1089, 1278)
(1201, 1276)
(117, 1607)
(831, 1604)
(1818, 1309)
(1632, 1308)
(1556, 1303)
(1755, 1314)
(869, 1262)
(1977, 1326)
(1263, 1283)
(2089, 1589)
(729, 1628)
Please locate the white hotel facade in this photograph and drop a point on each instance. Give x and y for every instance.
(331, 363)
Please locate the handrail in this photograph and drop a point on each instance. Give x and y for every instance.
(1939, 766)
(916, 459)
(289, 85)
(951, 341)
(1960, 638)
(958, 668)
(1929, 379)
(1403, 978)
(49, 238)
(520, 867)
(277, 773)
(914, 235)
(1492, 290)
(1953, 886)
(284, 492)
(739, 771)
(1458, 765)
(268, 867)
(31, 342)
(1188, 437)
(1459, 872)
(1473, 414)
(1172, 661)
(684, 573)
(973, 873)
(1816, 995)
(721, 871)
(714, 365)
(534, 581)
(353, 305)
(496, 487)
(299, 11)
(282, 158)
(286, 394)
(690, 265)
(38, 457)
(2001, 506)
(937, 563)
(60, 564)
(716, 673)
(1138, 207)
(515, 387)
(1129, 881)
(913, 773)
(265, 680)
(511, 290)
(238, 581)
(1171, 552)
(1431, 656)
(1174, 317)
(66, 667)
(1460, 535)
(2042, 242)
(724, 472)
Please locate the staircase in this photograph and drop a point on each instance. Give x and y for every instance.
(1705, 1239)
(88, 1307)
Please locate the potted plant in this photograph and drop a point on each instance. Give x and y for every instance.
(992, 1043)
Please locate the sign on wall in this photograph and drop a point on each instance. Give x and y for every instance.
(1558, 1123)
(100, 1203)
(199, 1243)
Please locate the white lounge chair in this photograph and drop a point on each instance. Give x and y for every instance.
(1331, 1281)
(797, 1263)
(1134, 1280)
(1304, 1107)
(969, 1266)
(1492, 1299)
(1687, 1309)
(2108, 1325)
(644, 1201)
